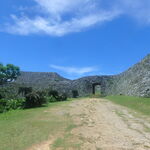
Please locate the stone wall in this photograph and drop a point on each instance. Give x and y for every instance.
(135, 82)
(85, 85)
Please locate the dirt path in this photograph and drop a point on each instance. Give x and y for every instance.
(102, 125)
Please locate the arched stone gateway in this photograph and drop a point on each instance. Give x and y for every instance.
(94, 85)
(88, 85)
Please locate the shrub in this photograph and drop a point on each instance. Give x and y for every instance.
(8, 92)
(54, 96)
(12, 104)
(3, 93)
(62, 97)
(35, 99)
(52, 99)
(24, 90)
(15, 104)
(75, 93)
(2, 105)
(53, 93)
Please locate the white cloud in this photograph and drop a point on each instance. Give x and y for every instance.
(139, 9)
(59, 6)
(74, 70)
(60, 17)
(25, 26)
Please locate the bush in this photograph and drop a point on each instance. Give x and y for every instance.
(62, 97)
(2, 105)
(51, 99)
(3, 93)
(12, 104)
(8, 92)
(53, 96)
(35, 99)
(53, 93)
(15, 104)
(24, 90)
(75, 93)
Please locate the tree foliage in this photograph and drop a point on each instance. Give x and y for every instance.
(8, 73)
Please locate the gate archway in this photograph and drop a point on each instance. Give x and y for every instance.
(94, 85)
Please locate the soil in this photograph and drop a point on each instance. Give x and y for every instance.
(103, 125)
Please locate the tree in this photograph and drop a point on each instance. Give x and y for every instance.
(8, 73)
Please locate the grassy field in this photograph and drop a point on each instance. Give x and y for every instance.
(22, 128)
(138, 104)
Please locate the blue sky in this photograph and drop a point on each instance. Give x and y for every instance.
(74, 38)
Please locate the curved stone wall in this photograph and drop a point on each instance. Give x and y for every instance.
(135, 82)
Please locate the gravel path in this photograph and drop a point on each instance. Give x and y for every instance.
(107, 126)
(103, 125)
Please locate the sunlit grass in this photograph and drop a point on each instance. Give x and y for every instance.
(21, 129)
(138, 104)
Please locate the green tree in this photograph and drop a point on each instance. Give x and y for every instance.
(8, 73)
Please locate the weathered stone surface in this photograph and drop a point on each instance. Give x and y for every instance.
(85, 85)
(135, 82)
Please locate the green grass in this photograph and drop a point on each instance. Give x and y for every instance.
(69, 141)
(138, 104)
(21, 129)
(96, 95)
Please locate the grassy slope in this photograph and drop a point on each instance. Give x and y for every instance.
(22, 128)
(138, 104)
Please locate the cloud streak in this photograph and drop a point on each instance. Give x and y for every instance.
(26, 26)
(61, 17)
(74, 70)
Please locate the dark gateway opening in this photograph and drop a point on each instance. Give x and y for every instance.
(96, 88)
